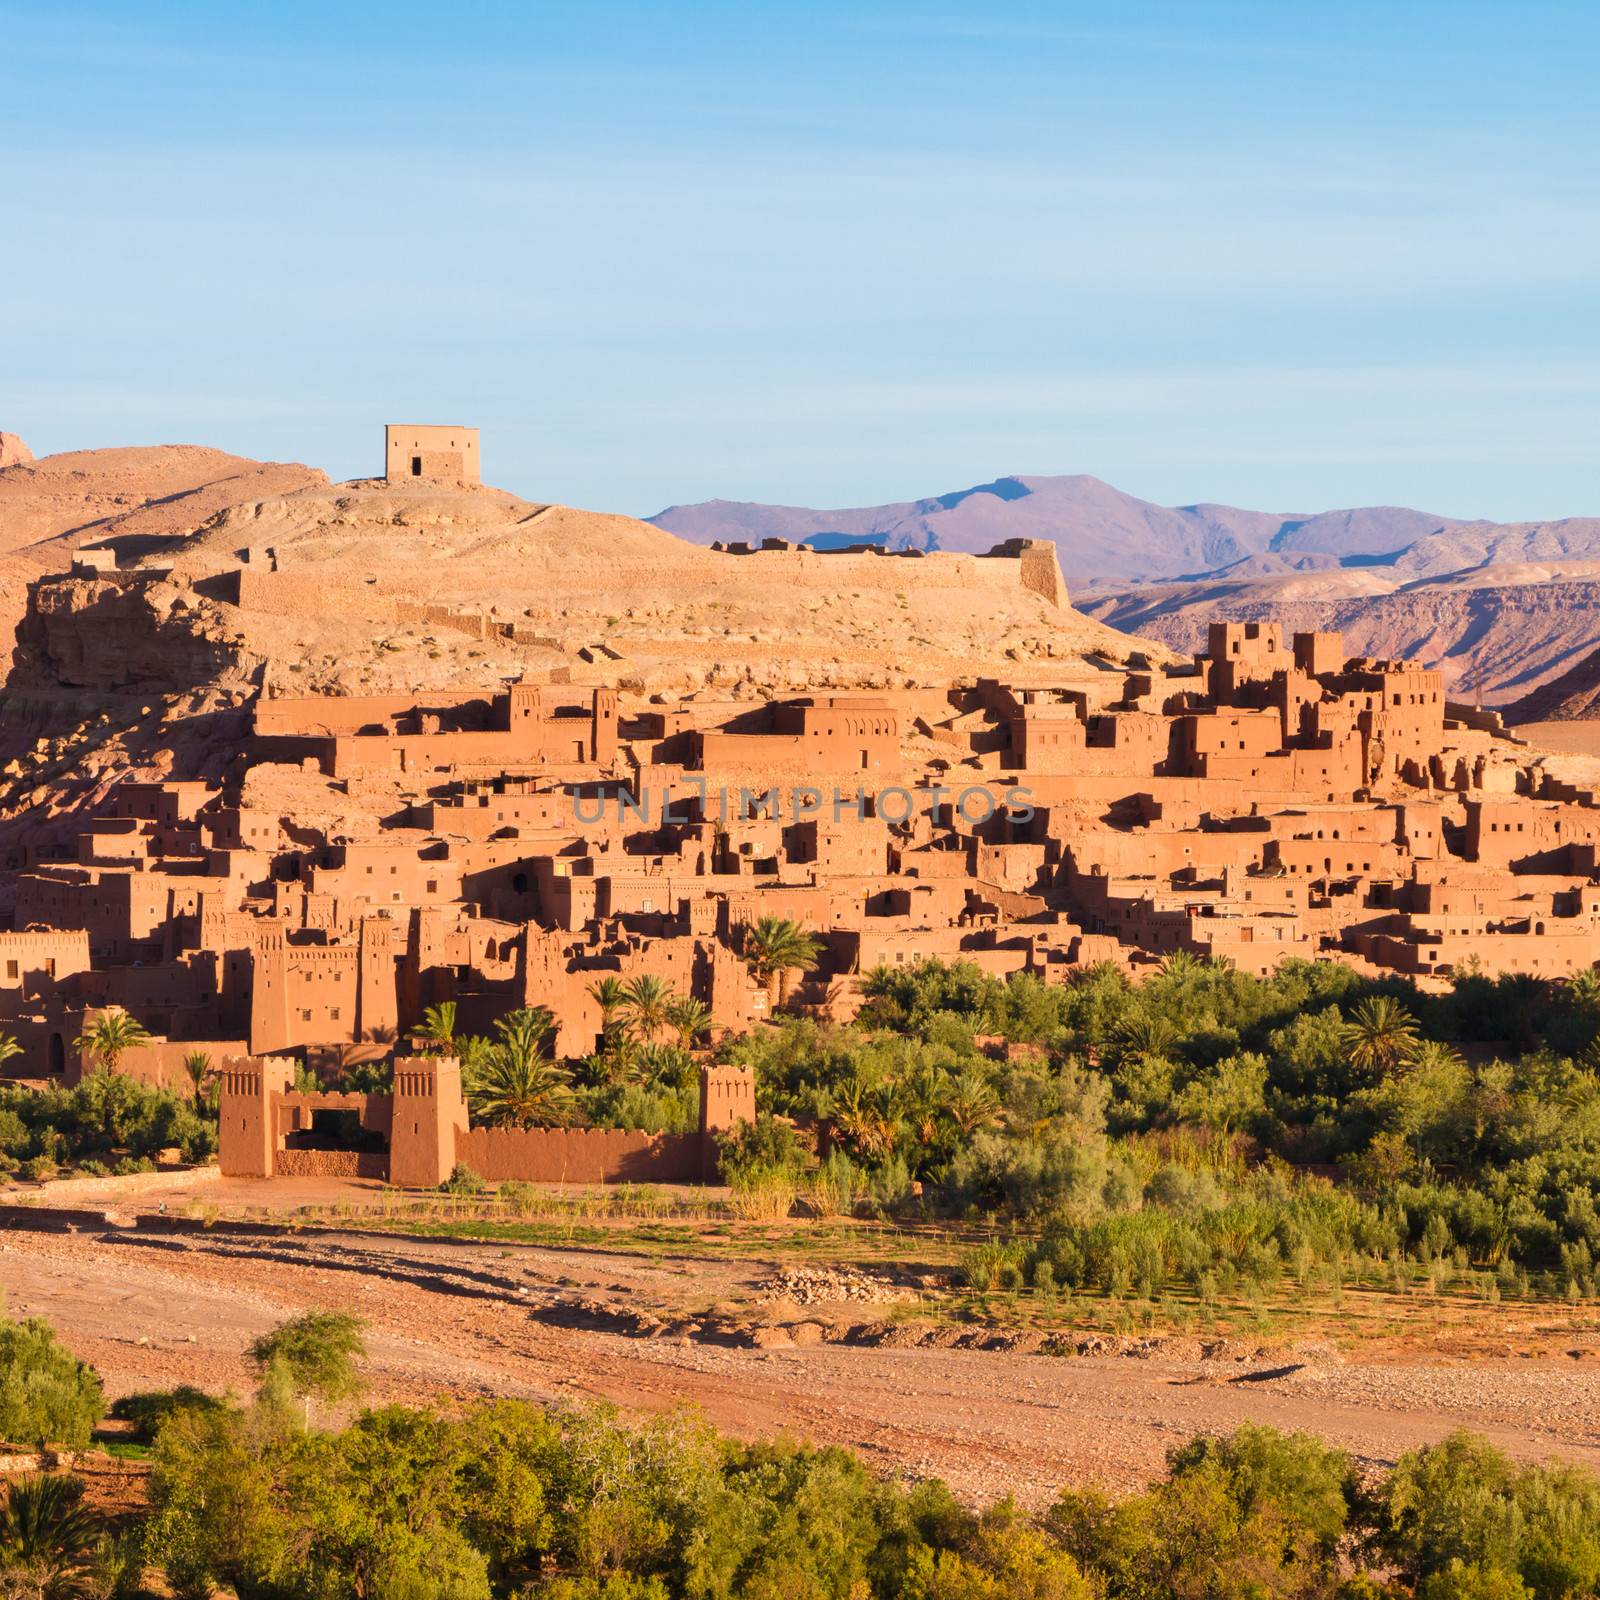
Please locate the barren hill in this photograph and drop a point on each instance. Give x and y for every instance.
(89, 496)
(329, 583)
(56, 505)
(1574, 696)
(151, 666)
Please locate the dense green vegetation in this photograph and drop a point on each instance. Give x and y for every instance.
(47, 1396)
(1205, 1127)
(509, 1499)
(513, 1499)
(108, 1122)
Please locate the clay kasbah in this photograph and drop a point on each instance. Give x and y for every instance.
(312, 789)
(520, 840)
(800, 802)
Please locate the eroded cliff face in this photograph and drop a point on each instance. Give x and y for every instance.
(91, 636)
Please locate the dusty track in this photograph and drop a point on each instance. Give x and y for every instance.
(447, 1320)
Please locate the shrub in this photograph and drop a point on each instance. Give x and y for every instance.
(463, 1180)
(47, 1396)
(521, 1199)
(150, 1409)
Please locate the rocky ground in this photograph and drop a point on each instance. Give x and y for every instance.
(999, 1416)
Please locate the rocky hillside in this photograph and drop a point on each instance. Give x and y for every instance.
(128, 500)
(146, 657)
(1574, 696)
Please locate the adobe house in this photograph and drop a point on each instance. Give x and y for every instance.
(415, 452)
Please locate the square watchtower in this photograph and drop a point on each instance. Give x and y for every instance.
(416, 452)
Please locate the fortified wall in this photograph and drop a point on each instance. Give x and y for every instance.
(416, 1136)
(1028, 563)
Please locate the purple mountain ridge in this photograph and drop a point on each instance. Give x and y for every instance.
(1101, 533)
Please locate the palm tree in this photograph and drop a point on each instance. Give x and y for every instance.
(1180, 966)
(972, 1103)
(523, 1032)
(438, 1031)
(651, 1065)
(9, 1049)
(1429, 1055)
(198, 1065)
(1526, 996)
(516, 1085)
(1380, 1034)
(773, 949)
(112, 1031)
(1582, 993)
(646, 999)
(688, 1018)
(924, 1092)
(609, 994)
(47, 1537)
(472, 1050)
(870, 1118)
(1146, 1035)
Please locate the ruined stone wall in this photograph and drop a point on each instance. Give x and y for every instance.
(327, 716)
(305, 591)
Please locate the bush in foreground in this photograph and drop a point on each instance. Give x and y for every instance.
(511, 1500)
(47, 1396)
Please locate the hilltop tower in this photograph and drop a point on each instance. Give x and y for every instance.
(417, 452)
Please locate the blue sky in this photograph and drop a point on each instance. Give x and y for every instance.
(1289, 256)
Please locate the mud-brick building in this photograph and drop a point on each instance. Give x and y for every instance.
(417, 1135)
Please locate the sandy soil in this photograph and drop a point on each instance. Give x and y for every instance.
(448, 1320)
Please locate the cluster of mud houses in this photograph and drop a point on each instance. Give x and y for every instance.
(511, 847)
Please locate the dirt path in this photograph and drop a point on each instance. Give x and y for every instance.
(447, 1320)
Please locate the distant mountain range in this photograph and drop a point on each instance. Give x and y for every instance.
(1101, 532)
(1500, 607)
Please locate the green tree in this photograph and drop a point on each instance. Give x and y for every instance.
(311, 1357)
(438, 1031)
(971, 1102)
(516, 1085)
(197, 1064)
(775, 947)
(869, 1118)
(1455, 1512)
(1145, 1036)
(382, 1511)
(47, 1396)
(9, 1049)
(111, 1033)
(610, 994)
(1226, 1097)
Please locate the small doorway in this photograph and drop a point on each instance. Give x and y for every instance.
(416, 466)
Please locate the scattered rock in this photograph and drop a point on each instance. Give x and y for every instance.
(812, 1286)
